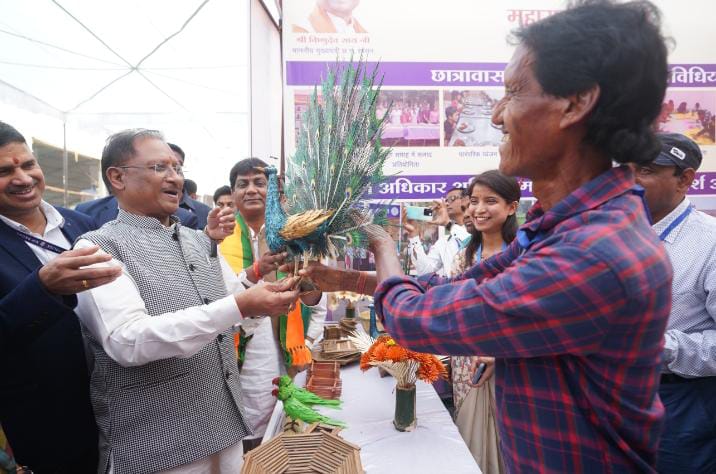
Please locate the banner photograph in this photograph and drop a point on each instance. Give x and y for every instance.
(443, 88)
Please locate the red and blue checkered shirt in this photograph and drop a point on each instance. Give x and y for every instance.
(574, 311)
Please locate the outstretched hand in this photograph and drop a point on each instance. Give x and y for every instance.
(440, 214)
(67, 274)
(329, 279)
(325, 278)
(270, 262)
(408, 225)
(220, 223)
(378, 238)
(272, 299)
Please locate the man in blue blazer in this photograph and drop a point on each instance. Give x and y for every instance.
(187, 202)
(105, 209)
(45, 409)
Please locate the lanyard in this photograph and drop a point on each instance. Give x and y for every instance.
(479, 251)
(674, 224)
(43, 244)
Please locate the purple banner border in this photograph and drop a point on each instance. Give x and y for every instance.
(457, 74)
(430, 187)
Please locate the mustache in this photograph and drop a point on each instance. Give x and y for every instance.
(14, 188)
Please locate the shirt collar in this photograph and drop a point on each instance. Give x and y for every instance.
(660, 226)
(608, 185)
(255, 235)
(143, 221)
(53, 216)
(340, 23)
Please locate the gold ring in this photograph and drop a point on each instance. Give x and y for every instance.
(85, 284)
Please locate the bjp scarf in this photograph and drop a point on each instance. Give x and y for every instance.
(238, 252)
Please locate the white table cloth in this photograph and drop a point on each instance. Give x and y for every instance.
(435, 446)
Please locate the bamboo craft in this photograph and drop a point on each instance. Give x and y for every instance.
(313, 452)
(341, 350)
(324, 379)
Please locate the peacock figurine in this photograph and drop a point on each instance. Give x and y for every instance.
(338, 158)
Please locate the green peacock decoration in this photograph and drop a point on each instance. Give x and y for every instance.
(338, 158)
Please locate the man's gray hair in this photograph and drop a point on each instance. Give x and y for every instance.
(119, 148)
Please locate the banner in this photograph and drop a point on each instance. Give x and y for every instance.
(443, 65)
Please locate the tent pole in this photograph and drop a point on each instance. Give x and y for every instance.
(65, 173)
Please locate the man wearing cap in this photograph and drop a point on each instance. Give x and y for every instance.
(688, 380)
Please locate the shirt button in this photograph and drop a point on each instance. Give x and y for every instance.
(192, 267)
(175, 236)
(221, 337)
(207, 301)
(228, 374)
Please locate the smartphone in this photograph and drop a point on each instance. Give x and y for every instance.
(417, 213)
(478, 373)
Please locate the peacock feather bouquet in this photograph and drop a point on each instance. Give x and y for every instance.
(338, 158)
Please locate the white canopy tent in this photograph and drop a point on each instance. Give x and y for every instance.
(74, 71)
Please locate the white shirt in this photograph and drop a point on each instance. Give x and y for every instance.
(318, 316)
(690, 348)
(53, 232)
(117, 318)
(227, 461)
(251, 325)
(441, 255)
(341, 25)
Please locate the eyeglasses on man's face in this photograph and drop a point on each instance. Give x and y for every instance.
(452, 199)
(161, 169)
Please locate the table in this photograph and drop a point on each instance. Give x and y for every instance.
(422, 131)
(368, 405)
(480, 130)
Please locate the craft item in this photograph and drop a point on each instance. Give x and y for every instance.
(316, 451)
(297, 410)
(339, 157)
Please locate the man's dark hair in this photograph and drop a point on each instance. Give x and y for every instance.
(119, 148)
(179, 151)
(456, 188)
(9, 134)
(190, 186)
(620, 48)
(245, 167)
(222, 191)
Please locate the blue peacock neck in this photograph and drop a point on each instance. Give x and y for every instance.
(275, 215)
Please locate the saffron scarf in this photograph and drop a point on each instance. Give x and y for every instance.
(238, 252)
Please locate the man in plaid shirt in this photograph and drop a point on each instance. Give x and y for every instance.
(575, 309)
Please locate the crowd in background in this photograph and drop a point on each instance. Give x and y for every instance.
(140, 332)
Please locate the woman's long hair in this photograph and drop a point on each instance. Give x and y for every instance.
(508, 189)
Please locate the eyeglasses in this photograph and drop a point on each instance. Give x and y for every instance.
(161, 169)
(452, 199)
